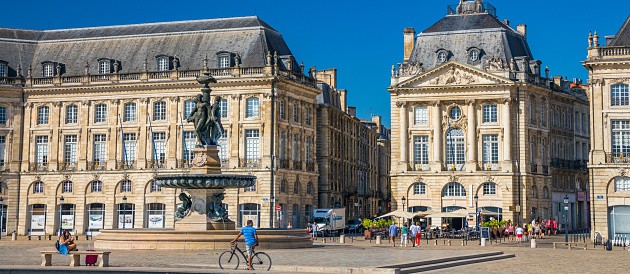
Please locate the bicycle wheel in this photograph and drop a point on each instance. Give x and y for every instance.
(261, 261)
(228, 260)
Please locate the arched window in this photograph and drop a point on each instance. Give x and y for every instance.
(489, 189)
(125, 186)
(622, 184)
(454, 190)
(38, 187)
(283, 186)
(66, 187)
(534, 192)
(296, 188)
(309, 188)
(96, 186)
(419, 189)
(155, 187)
(155, 215)
(619, 95)
(545, 193)
(455, 149)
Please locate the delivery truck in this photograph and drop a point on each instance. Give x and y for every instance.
(330, 220)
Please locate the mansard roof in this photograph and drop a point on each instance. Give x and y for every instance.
(622, 38)
(249, 37)
(467, 22)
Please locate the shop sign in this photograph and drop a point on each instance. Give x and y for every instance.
(67, 221)
(38, 221)
(156, 221)
(96, 221)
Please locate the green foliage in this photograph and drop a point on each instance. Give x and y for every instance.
(503, 223)
(367, 223)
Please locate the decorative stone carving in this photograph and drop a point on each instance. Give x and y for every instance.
(622, 172)
(400, 103)
(410, 69)
(38, 178)
(489, 179)
(495, 64)
(96, 176)
(205, 181)
(66, 177)
(435, 102)
(617, 81)
(453, 178)
(56, 103)
(216, 212)
(125, 176)
(418, 179)
(184, 209)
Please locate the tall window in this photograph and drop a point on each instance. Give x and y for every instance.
(281, 146)
(188, 108)
(563, 123)
(190, 141)
(130, 112)
(155, 187)
(103, 67)
(251, 145)
(70, 155)
(49, 70)
(585, 125)
(252, 107)
(534, 192)
(3, 70)
(531, 112)
(542, 113)
(621, 137)
(307, 115)
(307, 149)
(96, 186)
(552, 119)
(489, 189)
(543, 153)
(490, 151)
(421, 152)
(3, 115)
(100, 142)
(532, 152)
(125, 186)
(455, 149)
(569, 121)
(296, 149)
(159, 111)
(163, 63)
(72, 114)
(619, 95)
(557, 118)
(622, 184)
(282, 112)
(41, 150)
(419, 189)
(490, 113)
(222, 145)
(66, 187)
(223, 108)
(159, 139)
(224, 62)
(453, 190)
(42, 115)
(130, 147)
(38, 187)
(100, 113)
(421, 116)
(295, 112)
(3, 141)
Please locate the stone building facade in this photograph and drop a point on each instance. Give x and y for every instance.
(349, 154)
(471, 117)
(609, 77)
(91, 115)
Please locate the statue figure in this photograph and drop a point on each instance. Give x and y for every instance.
(214, 121)
(182, 211)
(216, 212)
(207, 118)
(199, 115)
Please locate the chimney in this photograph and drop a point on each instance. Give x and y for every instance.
(377, 120)
(506, 22)
(557, 81)
(352, 111)
(410, 40)
(343, 100)
(522, 28)
(328, 76)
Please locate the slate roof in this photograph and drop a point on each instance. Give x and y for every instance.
(131, 45)
(622, 38)
(459, 33)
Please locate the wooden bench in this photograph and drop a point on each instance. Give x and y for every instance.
(569, 244)
(103, 257)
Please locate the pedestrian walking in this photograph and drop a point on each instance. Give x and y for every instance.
(530, 231)
(511, 232)
(555, 226)
(519, 234)
(413, 230)
(393, 231)
(418, 234)
(404, 234)
(314, 231)
(548, 226)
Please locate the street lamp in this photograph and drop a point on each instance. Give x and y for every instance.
(566, 218)
(60, 213)
(1, 217)
(477, 216)
(403, 206)
(124, 210)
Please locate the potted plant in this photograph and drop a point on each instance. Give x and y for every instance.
(367, 228)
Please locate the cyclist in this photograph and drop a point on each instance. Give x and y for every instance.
(251, 240)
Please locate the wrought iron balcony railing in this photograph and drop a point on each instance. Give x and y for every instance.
(618, 158)
(157, 164)
(421, 167)
(68, 166)
(43, 166)
(125, 164)
(97, 165)
(250, 162)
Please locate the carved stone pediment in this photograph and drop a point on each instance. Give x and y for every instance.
(456, 74)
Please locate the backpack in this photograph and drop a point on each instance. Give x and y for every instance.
(57, 246)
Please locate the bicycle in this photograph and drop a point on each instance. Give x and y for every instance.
(230, 260)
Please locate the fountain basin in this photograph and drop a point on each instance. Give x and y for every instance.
(205, 181)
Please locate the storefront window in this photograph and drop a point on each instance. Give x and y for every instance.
(619, 221)
(38, 219)
(155, 215)
(249, 212)
(125, 213)
(95, 216)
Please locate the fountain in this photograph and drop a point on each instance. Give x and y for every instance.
(201, 222)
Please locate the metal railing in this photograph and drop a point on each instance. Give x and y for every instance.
(97, 165)
(125, 164)
(225, 163)
(545, 169)
(421, 167)
(68, 166)
(297, 165)
(38, 166)
(185, 163)
(534, 168)
(618, 158)
(283, 163)
(157, 164)
(249, 162)
(490, 166)
(310, 166)
(453, 167)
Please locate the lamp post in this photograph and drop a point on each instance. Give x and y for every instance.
(60, 213)
(477, 216)
(124, 210)
(566, 218)
(403, 206)
(1, 217)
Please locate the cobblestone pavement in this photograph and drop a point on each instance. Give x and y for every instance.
(360, 253)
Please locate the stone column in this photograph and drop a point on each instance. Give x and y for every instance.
(114, 134)
(143, 151)
(506, 117)
(471, 161)
(436, 122)
(54, 156)
(403, 134)
(83, 138)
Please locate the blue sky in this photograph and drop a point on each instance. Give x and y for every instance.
(361, 39)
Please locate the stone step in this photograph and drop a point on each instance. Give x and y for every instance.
(456, 263)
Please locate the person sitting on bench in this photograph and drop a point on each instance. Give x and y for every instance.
(66, 243)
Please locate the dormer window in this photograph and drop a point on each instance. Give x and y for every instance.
(473, 55)
(3, 69)
(48, 69)
(225, 59)
(442, 56)
(104, 66)
(163, 63)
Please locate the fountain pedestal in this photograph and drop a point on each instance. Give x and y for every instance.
(198, 218)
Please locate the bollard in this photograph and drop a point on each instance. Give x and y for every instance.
(50, 237)
(462, 242)
(449, 242)
(533, 242)
(435, 242)
(342, 239)
(14, 236)
(378, 240)
(28, 237)
(483, 241)
(323, 239)
(39, 238)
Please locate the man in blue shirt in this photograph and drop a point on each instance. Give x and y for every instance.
(251, 240)
(393, 231)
